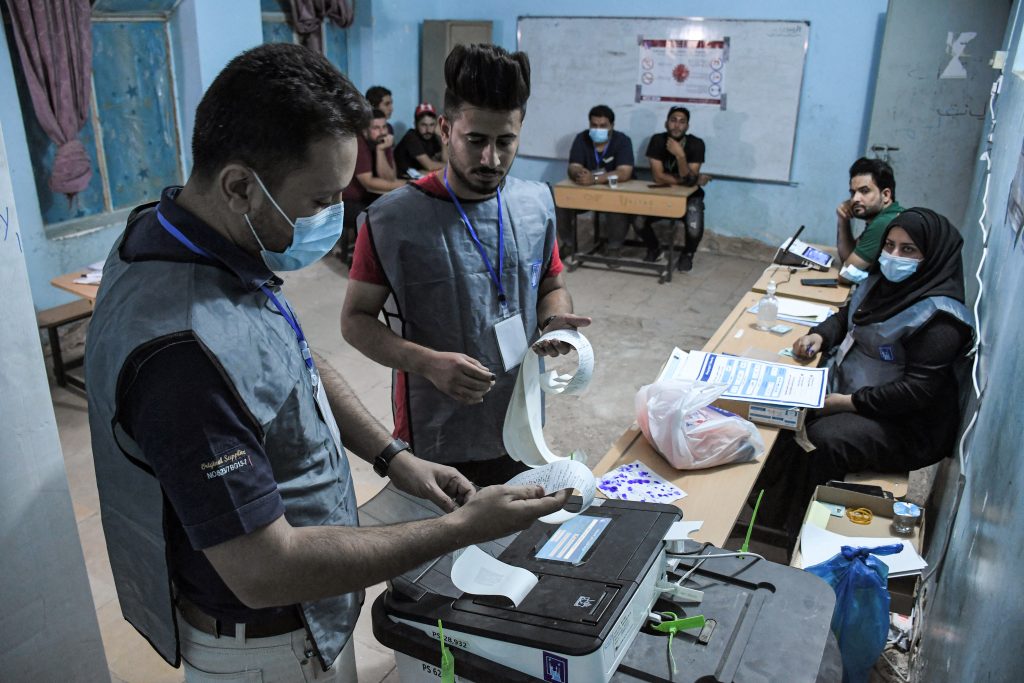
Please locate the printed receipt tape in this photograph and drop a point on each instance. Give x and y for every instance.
(562, 474)
(523, 432)
(476, 572)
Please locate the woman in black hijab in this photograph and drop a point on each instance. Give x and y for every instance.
(893, 404)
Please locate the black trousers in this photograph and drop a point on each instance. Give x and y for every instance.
(693, 223)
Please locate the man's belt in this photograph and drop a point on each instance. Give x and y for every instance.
(264, 627)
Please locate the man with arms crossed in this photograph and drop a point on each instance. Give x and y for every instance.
(456, 260)
(873, 200)
(596, 153)
(225, 492)
(675, 158)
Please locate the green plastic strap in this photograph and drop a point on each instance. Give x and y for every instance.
(447, 658)
(672, 625)
(750, 527)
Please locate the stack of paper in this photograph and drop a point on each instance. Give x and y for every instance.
(818, 545)
(800, 312)
(757, 381)
(92, 276)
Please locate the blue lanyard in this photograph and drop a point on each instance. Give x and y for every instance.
(285, 310)
(495, 278)
(599, 159)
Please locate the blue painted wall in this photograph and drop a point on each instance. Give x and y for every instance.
(973, 626)
(845, 40)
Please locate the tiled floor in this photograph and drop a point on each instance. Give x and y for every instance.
(636, 324)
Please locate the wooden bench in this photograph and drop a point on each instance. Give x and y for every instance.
(51, 320)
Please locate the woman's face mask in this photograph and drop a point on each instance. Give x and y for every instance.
(897, 268)
(313, 237)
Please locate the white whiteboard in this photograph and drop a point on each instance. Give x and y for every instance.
(578, 62)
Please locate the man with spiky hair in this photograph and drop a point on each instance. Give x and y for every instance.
(464, 264)
(227, 501)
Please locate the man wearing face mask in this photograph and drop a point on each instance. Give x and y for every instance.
(225, 491)
(596, 153)
(420, 150)
(456, 261)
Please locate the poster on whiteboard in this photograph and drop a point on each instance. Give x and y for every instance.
(685, 71)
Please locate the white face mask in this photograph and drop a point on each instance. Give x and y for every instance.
(897, 268)
(313, 237)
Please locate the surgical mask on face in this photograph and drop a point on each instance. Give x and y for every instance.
(896, 268)
(599, 135)
(312, 238)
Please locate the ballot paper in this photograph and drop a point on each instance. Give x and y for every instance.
(558, 476)
(635, 481)
(758, 381)
(673, 365)
(523, 431)
(797, 311)
(476, 572)
(818, 545)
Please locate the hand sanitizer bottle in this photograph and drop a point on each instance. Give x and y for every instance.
(768, 308)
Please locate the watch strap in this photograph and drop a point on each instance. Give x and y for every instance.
(382, 462)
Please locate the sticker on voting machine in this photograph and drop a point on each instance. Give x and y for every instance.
(573, 539)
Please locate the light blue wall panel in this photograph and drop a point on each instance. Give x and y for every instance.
(336, 46)
(136, 107)
(277, 32)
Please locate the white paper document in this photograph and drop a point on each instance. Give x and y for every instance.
(523, 431)
(818, 545)
(800, 312)
(758, 381)
(476, 572)
(637, 482)
(673, 365)
(557, 476)
(681, 530)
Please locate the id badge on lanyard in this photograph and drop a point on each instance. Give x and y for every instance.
(512, 342)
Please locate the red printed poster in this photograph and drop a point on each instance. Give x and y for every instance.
(691, 71)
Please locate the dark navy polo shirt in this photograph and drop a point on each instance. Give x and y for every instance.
(174, 401)
(618, 152)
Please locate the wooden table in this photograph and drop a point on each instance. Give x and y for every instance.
(715, 495)
(631, 197)
(788, 284)
(68, 284)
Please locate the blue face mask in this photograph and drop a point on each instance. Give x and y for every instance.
(896, 268)
(313, 237)
(599, 135)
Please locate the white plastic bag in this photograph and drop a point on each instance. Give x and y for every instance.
(678, 419)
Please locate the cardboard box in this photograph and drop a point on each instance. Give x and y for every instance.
(902, 589)
(783, 417)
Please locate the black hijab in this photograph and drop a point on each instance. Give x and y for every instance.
(941, 273)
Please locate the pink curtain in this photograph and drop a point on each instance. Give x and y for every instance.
(55, 44)
(307, 15)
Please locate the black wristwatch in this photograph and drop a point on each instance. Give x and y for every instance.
(383, 461)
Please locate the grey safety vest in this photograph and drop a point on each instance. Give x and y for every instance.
(873, 354)
(442, 297)
(257, 353)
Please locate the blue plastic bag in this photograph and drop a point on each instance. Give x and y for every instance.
(860, 621)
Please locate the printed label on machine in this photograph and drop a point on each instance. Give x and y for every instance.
(573, 539)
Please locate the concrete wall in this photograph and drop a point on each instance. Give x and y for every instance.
(845, 40)
(972, 626)
(48, 627)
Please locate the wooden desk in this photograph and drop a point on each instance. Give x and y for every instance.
(715, 495)
(68, 284)
(788, 284)
(630, 197)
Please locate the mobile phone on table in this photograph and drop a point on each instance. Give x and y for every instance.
(819, 281)
(659, 185)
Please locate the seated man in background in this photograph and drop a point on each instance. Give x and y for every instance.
(595, 154)
(374, 175)
(873, 200)
(420, 150)
(675, 159)
(380, 98)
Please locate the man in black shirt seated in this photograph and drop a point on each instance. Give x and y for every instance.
(597, 153)
(420, 150)
(675, 159)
